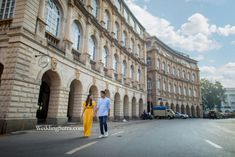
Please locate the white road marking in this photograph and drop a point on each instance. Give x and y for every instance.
(117, 133)
(213, 144)
(80, 148)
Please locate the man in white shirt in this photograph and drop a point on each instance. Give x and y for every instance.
(103, 109)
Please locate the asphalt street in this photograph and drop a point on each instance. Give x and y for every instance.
(153, 138)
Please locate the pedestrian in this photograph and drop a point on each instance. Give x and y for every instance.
(88, 112)
(103, 109)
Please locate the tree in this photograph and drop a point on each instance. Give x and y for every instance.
(212, 94)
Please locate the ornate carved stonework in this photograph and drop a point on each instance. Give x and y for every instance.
(53, 64)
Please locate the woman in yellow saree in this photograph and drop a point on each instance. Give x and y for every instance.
(88, 112)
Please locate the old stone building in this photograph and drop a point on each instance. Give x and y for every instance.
(173, 79)
(53, 53)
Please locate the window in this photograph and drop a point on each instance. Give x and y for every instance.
(116, 30)
(149, 84)
(92, 48)
(158, 64)
(52, 18)
(185, 92)
(132, 45)
(169, 87)
(178, 74)
(188, 76)
(180, 90)
(115, 64)
(106, 20)
(190, 92)
(175, 89)
(163, 66)
(195, 93)
(132, 72)
(174, 71)
(138, 50)
(139, 75)
(105, 56)
(6, 9)
(194, 78)
(168, 68)
(124, 39)
(158, 84)
(164, 86)
(95, 8)
(76, 36)
(149, 62)
(124, 69)
(183, 75)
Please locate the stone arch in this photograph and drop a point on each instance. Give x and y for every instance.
(134, 108)
(75, 101)
(126, 107)
(188, 110)
(173, 107)
(182, 109)
(117, 106)
(167, 105)
(1, 71)
(193, 111)
(94, 92)
(141, 106)
(177, 109)
(49, 96)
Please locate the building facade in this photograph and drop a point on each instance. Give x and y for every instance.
(173, 79)
(54, 53)
(229, 103)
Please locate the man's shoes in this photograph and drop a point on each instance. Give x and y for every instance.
(106, 134)
(101, 136)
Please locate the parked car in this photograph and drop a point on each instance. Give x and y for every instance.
(213, 114)
(181, 116)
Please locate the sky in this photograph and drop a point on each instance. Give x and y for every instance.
(204, 29)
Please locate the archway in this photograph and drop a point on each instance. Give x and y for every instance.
(193, 111)
(1, 71)
(134, 108)
(48, 99)
(188, 110)
(198, 112)
(126, 107)
(75, 101)
(167, 105)
(94, 92)
(141, 107)
(182, 109)
(117, 106)
(173, 107)
(177, 108)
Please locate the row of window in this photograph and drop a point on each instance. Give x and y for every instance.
(172, 88)
(169, 70)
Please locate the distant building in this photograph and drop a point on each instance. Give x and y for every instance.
(229, 103)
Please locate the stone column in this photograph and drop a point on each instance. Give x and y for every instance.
(85, 56)
(110, 63)
(41, 23)
(99, 64)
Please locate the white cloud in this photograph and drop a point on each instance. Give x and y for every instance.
(233, 42)
(225, 74)
(196, 34)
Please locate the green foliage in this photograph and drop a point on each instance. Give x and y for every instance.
(212, 94)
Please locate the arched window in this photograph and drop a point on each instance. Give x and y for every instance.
(149, 62)
(76, 36)
(124, 39)
(53, 18)
(105, 56)
(180, 90)
(106, 19)
(92, 48)
(115, 64)
(183, 74)
(116, 30)
(185, 92)
(132, 72)
(95, 8)
(132, 45)
(158, 64)
(163, 66)
(164, 86)
(158, 84)
(194, 78)
(138, 50)
(169, 87)
(149, 85)
(139, 75)
(6, 9)
(190, 92)
(124, 68)
(189, 76)
(174, 71)
(168, 69)
(175, 89)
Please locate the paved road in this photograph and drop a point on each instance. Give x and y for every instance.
(156, 138)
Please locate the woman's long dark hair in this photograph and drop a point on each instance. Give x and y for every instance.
(88, 99)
